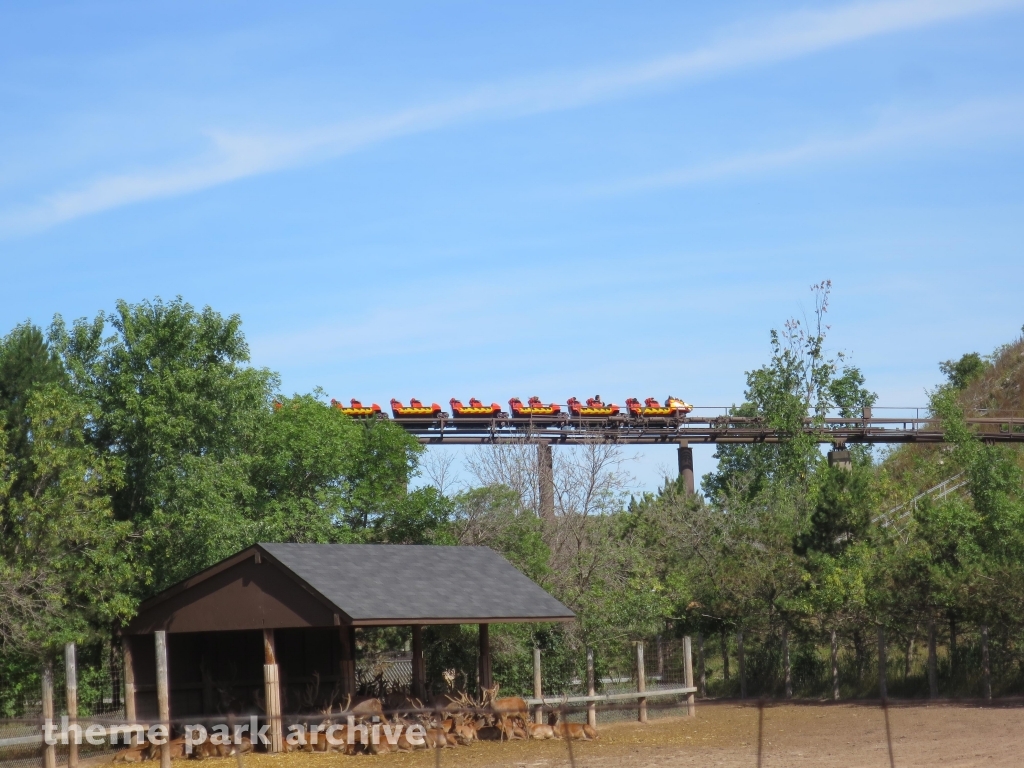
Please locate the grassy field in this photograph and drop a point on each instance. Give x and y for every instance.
(726, 735)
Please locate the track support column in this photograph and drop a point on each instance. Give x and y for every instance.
(686, 467)
(546, 481)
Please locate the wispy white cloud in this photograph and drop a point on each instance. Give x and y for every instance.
(967, 122)
(234, 156)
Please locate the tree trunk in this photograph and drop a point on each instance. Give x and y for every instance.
(986, 668)
(910, 657)
(952, 648)
(700, 666)
(860, 653)
(835, 665)
(787, 670)
(740, 660)
(725, 655)
(933, 672)
(883, 688)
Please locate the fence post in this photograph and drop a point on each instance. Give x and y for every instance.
(641, 682)
(691, 706)
(883, 691)
(71, 688)
(787, 669)
(538, 692)
(163, 695)
(700, 666)
(129, 684)
(591, 689)
(49, 750)
(272, 690)
(986, 669)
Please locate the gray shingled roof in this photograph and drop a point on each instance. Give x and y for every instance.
(405, 582)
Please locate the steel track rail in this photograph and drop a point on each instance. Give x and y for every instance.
(725, 429)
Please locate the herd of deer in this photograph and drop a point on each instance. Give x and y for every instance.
(447, 721)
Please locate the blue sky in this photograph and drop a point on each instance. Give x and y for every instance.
(466, 199)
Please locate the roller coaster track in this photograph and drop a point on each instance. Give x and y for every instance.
(697, 429)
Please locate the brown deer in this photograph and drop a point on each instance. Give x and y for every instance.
(540, 731)
(512, 707)
(576, 731)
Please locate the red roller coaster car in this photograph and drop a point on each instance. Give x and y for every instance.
(357, 409)
(673, 407)
(415, 409)
(534, 407)
(475, 408)
(594, 407)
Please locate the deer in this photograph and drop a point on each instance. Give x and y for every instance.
(576, 731)
(512, 707)
(540, 731)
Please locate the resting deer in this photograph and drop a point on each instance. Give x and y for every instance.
(581, 731)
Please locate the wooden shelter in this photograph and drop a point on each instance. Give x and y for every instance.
(292, 610)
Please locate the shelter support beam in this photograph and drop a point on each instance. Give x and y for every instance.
(272, 690)
(485, 657)
(163, 694)
(419, 672)
(686, 467)
(348, 660)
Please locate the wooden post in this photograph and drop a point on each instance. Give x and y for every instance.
(163, 695)
(787, 669)
(546, 481)
(661, 659)
(933, 673)
(49, 750)
(741, 661)
(641, 682)
(348, 659)
(986, 668)
(691, 705)
(272, 691)
(591, 689)
(835, 664)
(883, 689)
(71, 689)
(686, 467)
(485, 658)
(700, 666)
(538, 693)
(129, 685)
(129, 679)
(418, 670)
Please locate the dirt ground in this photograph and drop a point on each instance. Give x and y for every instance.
(726, 735)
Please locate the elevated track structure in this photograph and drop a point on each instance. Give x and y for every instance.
(673, 423)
